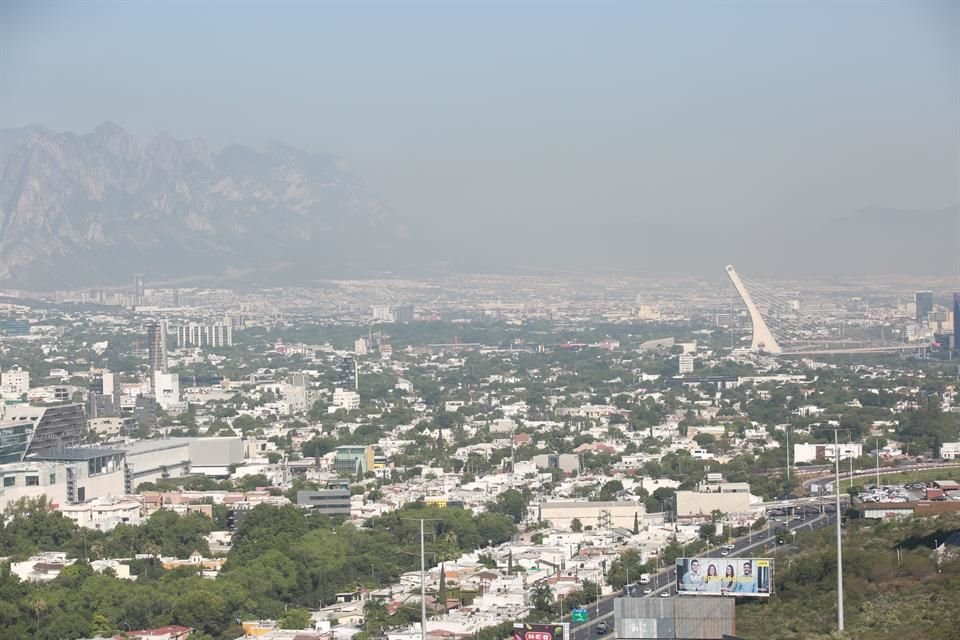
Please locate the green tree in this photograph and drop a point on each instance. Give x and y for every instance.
(542, 598)
(295, 618)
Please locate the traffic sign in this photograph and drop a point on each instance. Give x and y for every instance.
(578, 615)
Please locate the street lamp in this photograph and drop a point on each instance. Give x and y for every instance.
(787, 429)
(836, 446)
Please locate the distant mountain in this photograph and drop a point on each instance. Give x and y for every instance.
(78, 210)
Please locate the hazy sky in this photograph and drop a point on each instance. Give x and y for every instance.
(531, 116)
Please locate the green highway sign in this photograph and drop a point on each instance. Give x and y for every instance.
(578, 615)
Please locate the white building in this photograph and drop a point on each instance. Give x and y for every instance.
(204, 335)
(103, 514)
(685, 363)
(382, 313)
(343, 399)
(360, 346)
(811, 452)
(950, 451)
(41, 568)
(167, 386)
(599, 515)
(14, 382)
(105, 426)
(77, 475)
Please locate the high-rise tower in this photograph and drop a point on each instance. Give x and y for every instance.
(139, 290)
(924, 304)
(349, 379)
(157, 345)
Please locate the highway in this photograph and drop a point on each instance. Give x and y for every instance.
(815, 512)
(665, 580)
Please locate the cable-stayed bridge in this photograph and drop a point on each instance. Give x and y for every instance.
(782, 327)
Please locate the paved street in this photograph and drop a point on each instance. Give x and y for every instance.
(665, 580)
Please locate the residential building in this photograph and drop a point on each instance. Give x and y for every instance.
(43, 567)
(685, 363)
(103, 514)
(169, 632)
(157, 345)
(195, 334)
(360, 346)
(14, 382)
(382, 313)
(349, 378)
(166, 388)
(343, 399)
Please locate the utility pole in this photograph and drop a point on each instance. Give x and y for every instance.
(836, 445)
(423, 584)
(878, 462)
(850, 455)
(787, 429)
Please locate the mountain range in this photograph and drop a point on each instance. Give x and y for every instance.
(93, 209)
(79, 210)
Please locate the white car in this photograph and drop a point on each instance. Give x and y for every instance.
(647, 591)
(665, 594)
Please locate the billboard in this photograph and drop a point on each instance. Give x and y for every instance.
(527, 631)
(748, 577)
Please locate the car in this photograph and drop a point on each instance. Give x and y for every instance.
(647, 591)
(724, 553)
(665, 594)
(603, 628)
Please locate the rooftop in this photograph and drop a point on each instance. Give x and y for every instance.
(77, 454)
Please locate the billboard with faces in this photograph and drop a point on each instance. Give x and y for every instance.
(740, 577)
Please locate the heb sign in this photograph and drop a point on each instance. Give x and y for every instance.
(538, 632)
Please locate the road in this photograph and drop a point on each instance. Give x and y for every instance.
(665, 580)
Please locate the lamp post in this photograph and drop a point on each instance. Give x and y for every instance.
(787, 429)
(878, 462)
(423, 587)
(423, 579)
(599, 577)
(836, 445)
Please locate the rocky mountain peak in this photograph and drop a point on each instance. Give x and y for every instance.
(79, 210)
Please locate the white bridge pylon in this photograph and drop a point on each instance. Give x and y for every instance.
(763, 339)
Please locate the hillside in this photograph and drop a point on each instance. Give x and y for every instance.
(885, 599)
